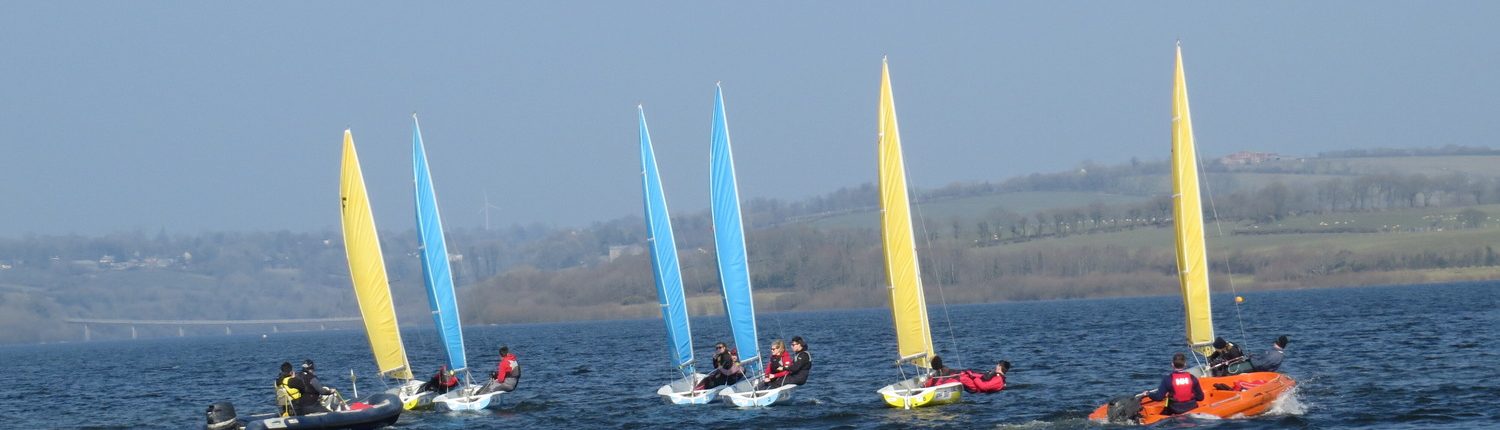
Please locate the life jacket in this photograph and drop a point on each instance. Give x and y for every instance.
(286, 394)
(284, 388)
(778, 364)
(508, 368)
(1182, 387)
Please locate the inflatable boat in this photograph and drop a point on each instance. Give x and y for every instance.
(377, 411)
(1235, 396)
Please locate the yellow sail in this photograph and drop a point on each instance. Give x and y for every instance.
(908, 306)
(367, 269)
(1187, 210)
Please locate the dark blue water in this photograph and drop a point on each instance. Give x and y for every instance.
(1387, 357)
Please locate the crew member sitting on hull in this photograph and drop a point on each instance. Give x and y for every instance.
(939, 374)
(285, 394)
(776, 366)
(1270, 361)
(441, 382)
(1180, 389)
(801, 363)
(985, 382)
(726, 368)
(507, 373)
(1227, 359)
(312, 391)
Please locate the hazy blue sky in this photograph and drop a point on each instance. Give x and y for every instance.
(207, 116)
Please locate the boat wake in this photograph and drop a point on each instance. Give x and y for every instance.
(1288, 404)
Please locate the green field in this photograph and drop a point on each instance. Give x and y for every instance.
(970, 208)
(1428, 237)
(1477, 165)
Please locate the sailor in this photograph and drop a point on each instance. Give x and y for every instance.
(312, 391)
(726, 368)
(507, 373)
(1270, 360)
(985, 382)
(441, 382)
(801, 362)
(1225, 354)
(776, 366)
(939, 374)
(285, 394)
(1180, 389)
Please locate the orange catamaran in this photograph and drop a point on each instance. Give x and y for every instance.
(1239, 395)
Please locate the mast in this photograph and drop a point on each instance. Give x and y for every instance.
(1187, 211)
(729, 239)
(367, 268)
(437, 275)
(668, 274)
(908, 304)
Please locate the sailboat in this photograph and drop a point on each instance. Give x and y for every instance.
(437, 278)
(668, 277)
(908, 304)
(1250, 393)
(734, 268)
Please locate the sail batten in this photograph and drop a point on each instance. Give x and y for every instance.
(437, 274)
(903, 274)
(668, 273)
(367, 268)
(729, 238)
(1187, 210)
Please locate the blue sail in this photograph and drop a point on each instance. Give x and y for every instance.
(664, 256)
(729, 239)
(437, 276)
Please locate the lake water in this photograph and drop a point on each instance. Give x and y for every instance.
(1388, 357)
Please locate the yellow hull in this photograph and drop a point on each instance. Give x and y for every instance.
(898, 395)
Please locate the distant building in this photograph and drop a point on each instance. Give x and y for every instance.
(617, 251)
(1247, 157)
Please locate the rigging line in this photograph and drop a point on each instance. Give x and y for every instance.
(1228, 270)
(942, 297)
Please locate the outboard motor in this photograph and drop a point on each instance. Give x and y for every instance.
(221, 416)
(1125, 409)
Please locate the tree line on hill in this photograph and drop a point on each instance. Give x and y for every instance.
(541, 273)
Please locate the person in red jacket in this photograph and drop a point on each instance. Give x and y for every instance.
(507, 373)
(441, 382)
(985, 382)
(939, 374)
(778, 366)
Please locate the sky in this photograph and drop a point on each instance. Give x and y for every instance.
(195, 117)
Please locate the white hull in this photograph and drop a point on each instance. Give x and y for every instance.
(681, 392)
(464, 399)
(410, 398)
(744, 395)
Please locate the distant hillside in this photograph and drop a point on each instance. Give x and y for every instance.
(1094, 231)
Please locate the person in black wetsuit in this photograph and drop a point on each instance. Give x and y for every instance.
(801, 363)
(312, 391)
(726, 368)
(1225, 354)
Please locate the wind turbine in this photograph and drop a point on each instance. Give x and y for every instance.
(486, 210)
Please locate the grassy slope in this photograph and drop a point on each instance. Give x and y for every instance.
(970, 208)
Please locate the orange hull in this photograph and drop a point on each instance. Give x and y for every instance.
(1259, 390)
